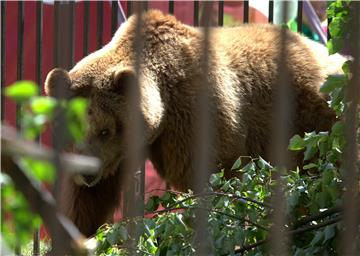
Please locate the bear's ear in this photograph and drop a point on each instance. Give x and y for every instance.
(122, 80)
(58, 85)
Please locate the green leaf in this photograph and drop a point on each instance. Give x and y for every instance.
(237, 164)
(329, 232)
(41, 170)
(112, 237)
(152, 204)
(76, 114)
(346, 66)
(338, 128)
(215, 180)
(317, 238)
(43, 105)
(309, 166)
(297, 143)
(333, 82)
(22, 90)
(310, 152)
(123, 233)
(263, 164)
(78, 106)
(334, 45)
(335, 26)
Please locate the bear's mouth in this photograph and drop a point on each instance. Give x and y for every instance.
(89, 180)
(92, 180)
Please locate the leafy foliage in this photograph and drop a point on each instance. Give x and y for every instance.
(34, 115)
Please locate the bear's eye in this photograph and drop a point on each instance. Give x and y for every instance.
(104, 133)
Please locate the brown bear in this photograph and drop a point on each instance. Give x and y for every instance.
(243, 74)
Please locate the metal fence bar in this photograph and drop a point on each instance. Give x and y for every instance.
(171, 6)
(36, 243)
(299, 18)
(129, 6)
(63, 38)
(221, 13)
(100, 14)
(271, 11)
(38, 75)
(39, 24)
(280, 131)
(3, 52)
(86, 28)
(56, 35)
(114, 10)
(20, 53)
(350, 173)
(72, 24)
(246, 11)
(196, 13)
(19, 69)
(134, 188)
(203, 134)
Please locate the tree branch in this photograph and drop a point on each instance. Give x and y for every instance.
(291, 233)
(11, 146)
(43, 203)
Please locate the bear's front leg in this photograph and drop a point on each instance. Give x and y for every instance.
(90, 207)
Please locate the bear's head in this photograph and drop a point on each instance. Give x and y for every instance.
(112, 109)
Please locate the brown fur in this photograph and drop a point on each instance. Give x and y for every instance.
(243, 75)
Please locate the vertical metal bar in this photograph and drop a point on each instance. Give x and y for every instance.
(3, 52)
(271, 11)
(350, 173)
(2, 74)
(100, 15)
(145, 5)
(114, 11)
(136, 125)
(56, 38)
(62, 59)
(136, 129)
(171, 6)
(204, 134)
(36, 243)
(280, 131)
(39, 24)
(196, 13)
(129, 8)
(72, 25)
(299, 18)
(86, 28)
(221, 13)
(20, 53)
(38, 77)
(246, 11)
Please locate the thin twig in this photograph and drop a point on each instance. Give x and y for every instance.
(310, 228)
(244, 198)
(210, 210)
(291, 233)
(318, 216)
